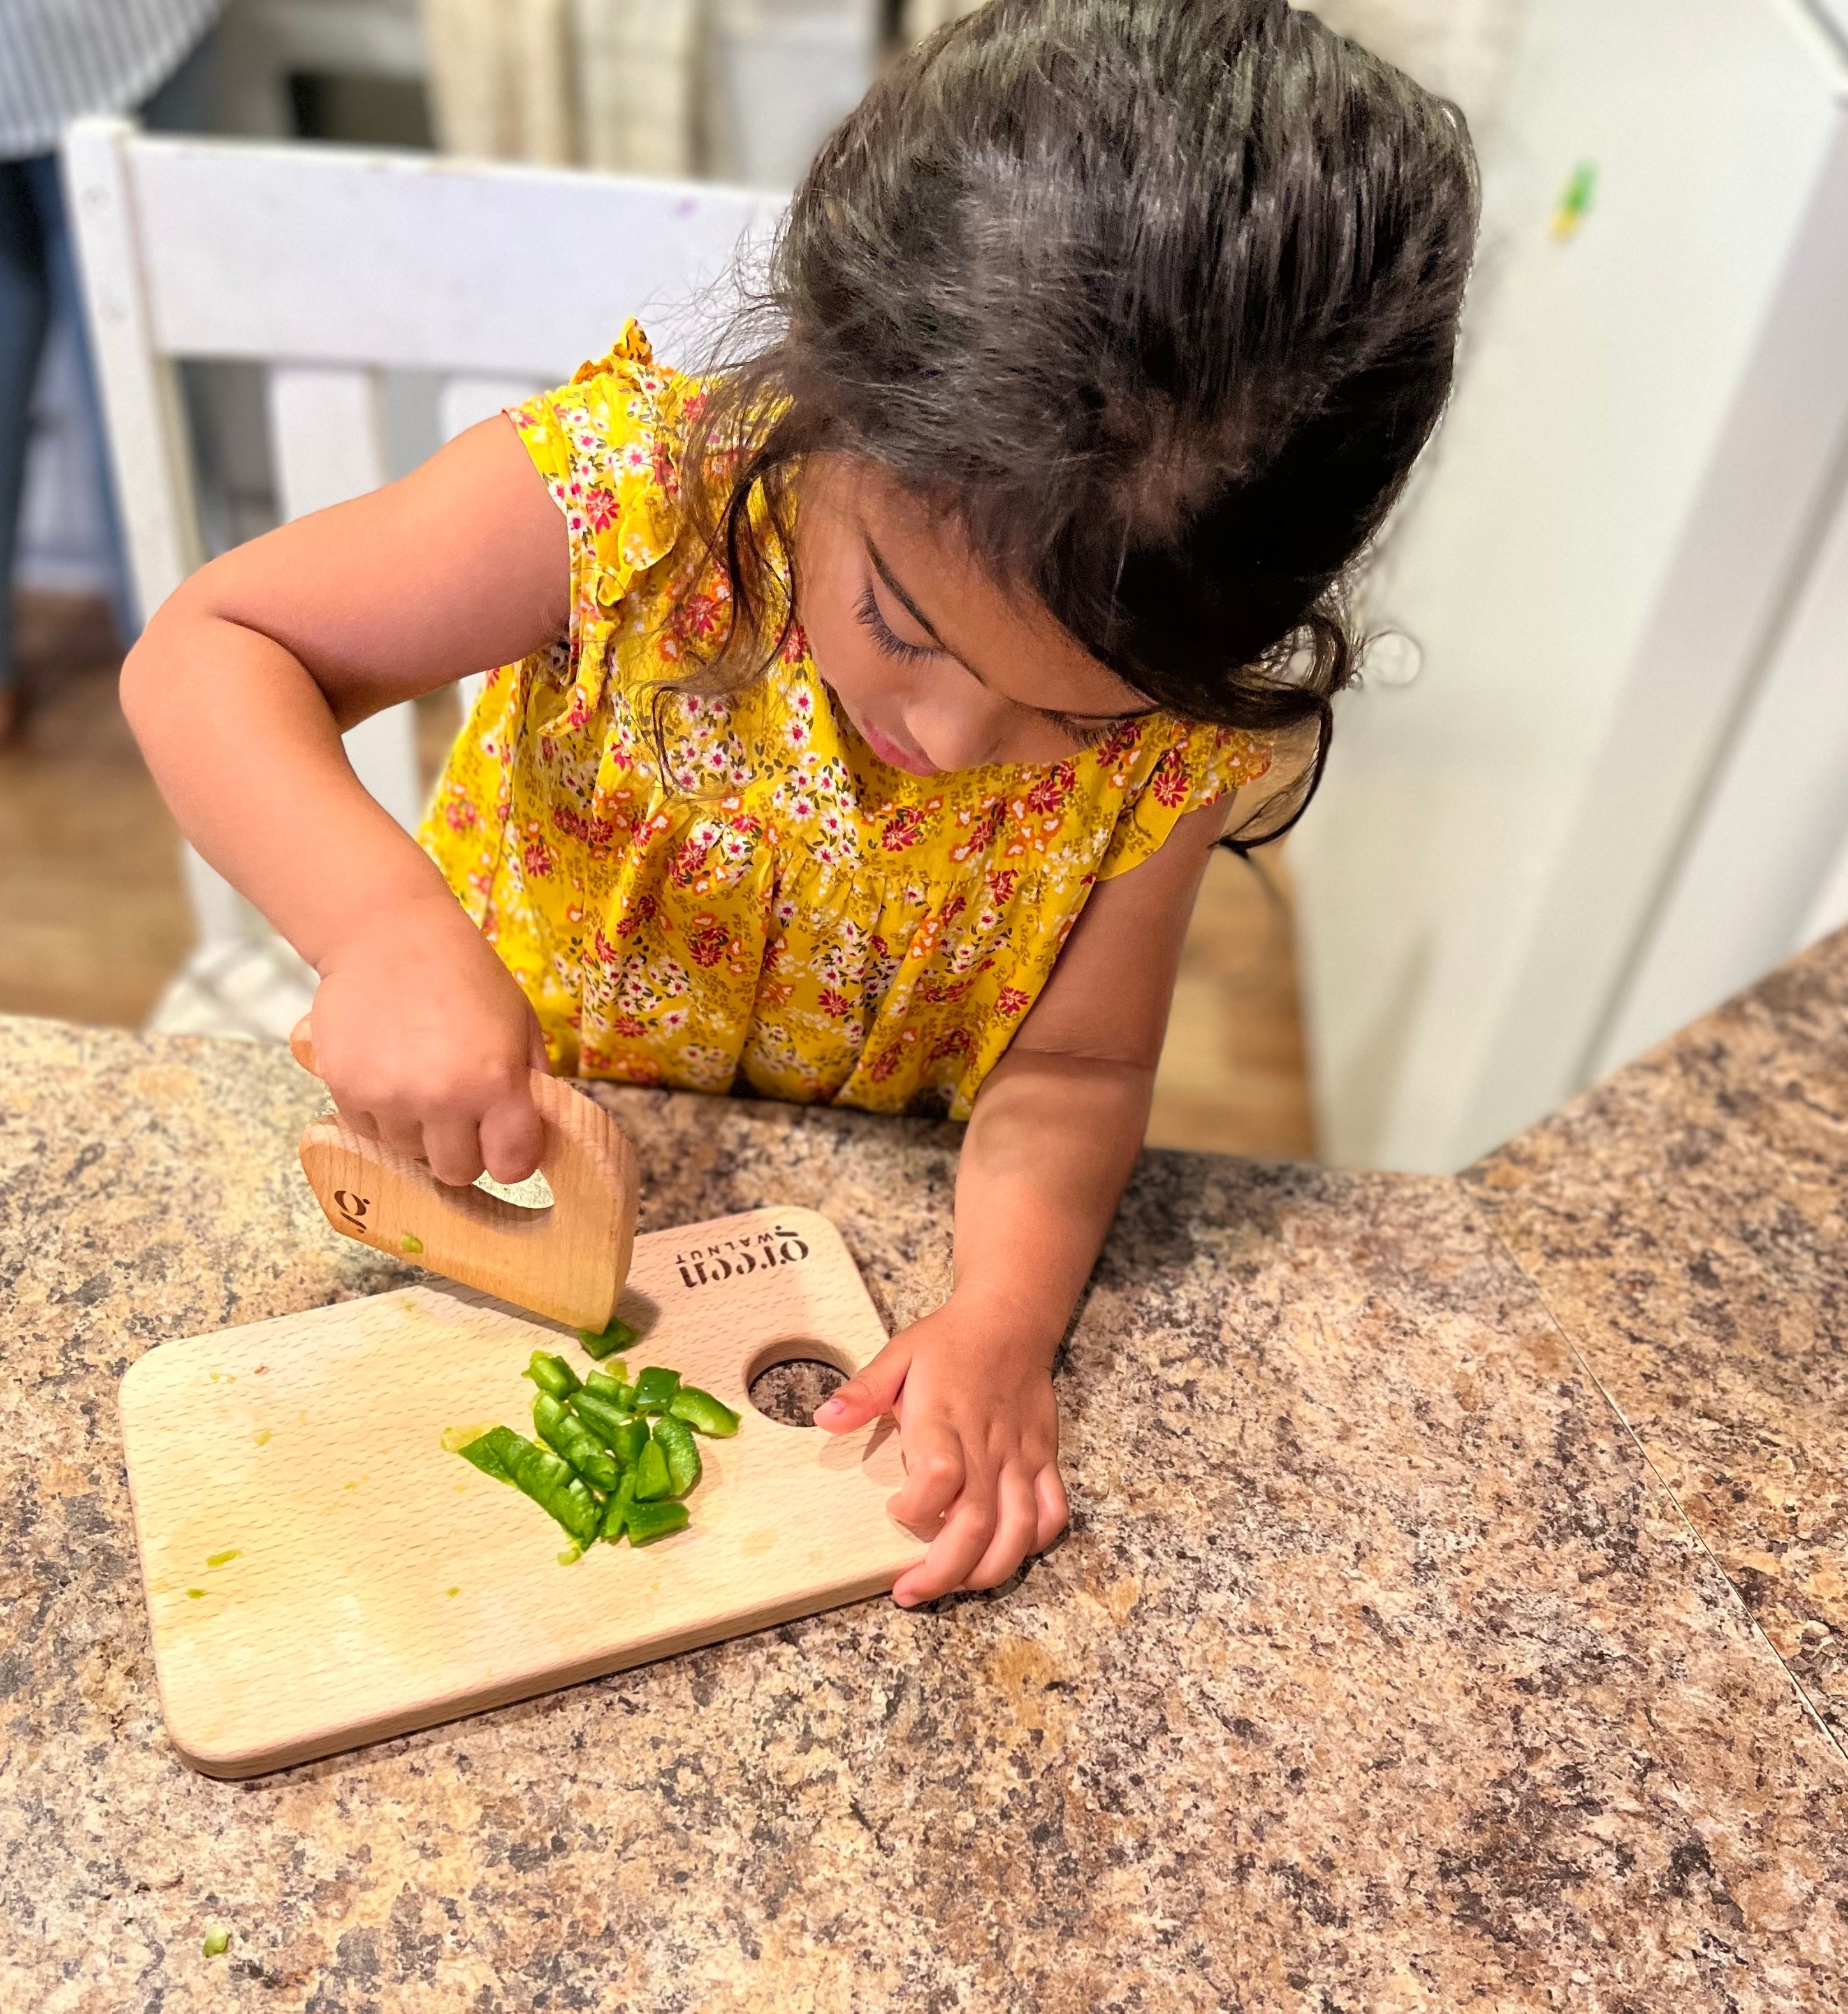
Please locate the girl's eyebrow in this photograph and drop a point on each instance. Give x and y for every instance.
(924, 623)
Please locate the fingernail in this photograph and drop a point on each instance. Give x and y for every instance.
(830, 1409)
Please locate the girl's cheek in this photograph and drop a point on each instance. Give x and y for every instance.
(849, 665)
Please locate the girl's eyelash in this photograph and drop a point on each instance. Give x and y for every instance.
(866, 610)
(885, 639)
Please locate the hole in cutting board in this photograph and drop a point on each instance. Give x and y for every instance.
(786, 1381)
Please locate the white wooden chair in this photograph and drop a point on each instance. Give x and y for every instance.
(328, 266)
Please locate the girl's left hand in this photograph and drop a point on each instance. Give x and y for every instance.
(980, 1431)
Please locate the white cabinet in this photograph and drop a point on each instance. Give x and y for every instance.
(1613, 531)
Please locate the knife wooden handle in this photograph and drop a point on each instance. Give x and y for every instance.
(567, 1261)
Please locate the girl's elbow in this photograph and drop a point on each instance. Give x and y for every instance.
(142, 687)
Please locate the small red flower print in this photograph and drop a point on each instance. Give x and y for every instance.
(700, 616)
(956, 1043)
(460, 815)
(1052, 789)
(954, 908)
(707, 939)
(599, 508)
(1010, 1001)
(836, 1004)
(1002, 883)
(588, 831)
(1169, 780)
(880, 1067)
(538, 859)
(1124, 739)
(684, 862)
(645, 911)
(796, 644)
(904, 828)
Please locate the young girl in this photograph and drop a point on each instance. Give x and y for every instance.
(867, 710)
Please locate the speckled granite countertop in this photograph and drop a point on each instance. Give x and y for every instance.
(1380, 1671)
(1687, 1224)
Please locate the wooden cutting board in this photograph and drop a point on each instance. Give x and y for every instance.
(320, 1572)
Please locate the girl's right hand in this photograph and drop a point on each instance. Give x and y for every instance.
(427, 1044)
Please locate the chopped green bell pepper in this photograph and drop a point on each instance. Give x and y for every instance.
(603, 1419)
(654, 1388)
(646, 1522)
(616, 1511)
(551, 1374)
(562, 1430)
(602, 1342)
(652, 1479)
(547, 1479)
(612, 1385)
(703, 1412)
(489, 1452)
(675, 1438)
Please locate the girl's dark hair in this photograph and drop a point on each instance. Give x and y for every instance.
(1158, 298)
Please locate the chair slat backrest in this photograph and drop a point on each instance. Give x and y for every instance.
(330, 264)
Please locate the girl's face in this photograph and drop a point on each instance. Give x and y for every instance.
(937, 667)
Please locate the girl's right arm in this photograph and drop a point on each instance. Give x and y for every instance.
(238, 691)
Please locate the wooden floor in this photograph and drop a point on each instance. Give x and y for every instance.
(93, 919)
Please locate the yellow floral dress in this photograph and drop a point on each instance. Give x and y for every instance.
(781, 911)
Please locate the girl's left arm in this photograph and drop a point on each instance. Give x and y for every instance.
(1055, 1133)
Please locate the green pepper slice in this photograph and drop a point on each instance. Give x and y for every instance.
(606, 1421)
(616, 1511)
(646, 1522)
(488, 1451)
(546, 1477)
(579, 1509)
(652, 1477)
(677, 1444)
(601, 1342)
(562, 1431)
(654, 1388)
(703, 1412)
(551, 1374)
(612, 1385)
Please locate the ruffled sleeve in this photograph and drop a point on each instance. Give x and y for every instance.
(1185, 771)
(607, 445)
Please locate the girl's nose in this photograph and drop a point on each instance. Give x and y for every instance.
(961, 729)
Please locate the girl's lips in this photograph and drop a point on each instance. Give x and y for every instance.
(892, 755)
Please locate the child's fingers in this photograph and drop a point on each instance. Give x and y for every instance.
(871, 1393)
(1055, 1512)
(452, 1147)
(512, 1137)
(952, 1555)
(1015, 1530)
(934, 1477)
